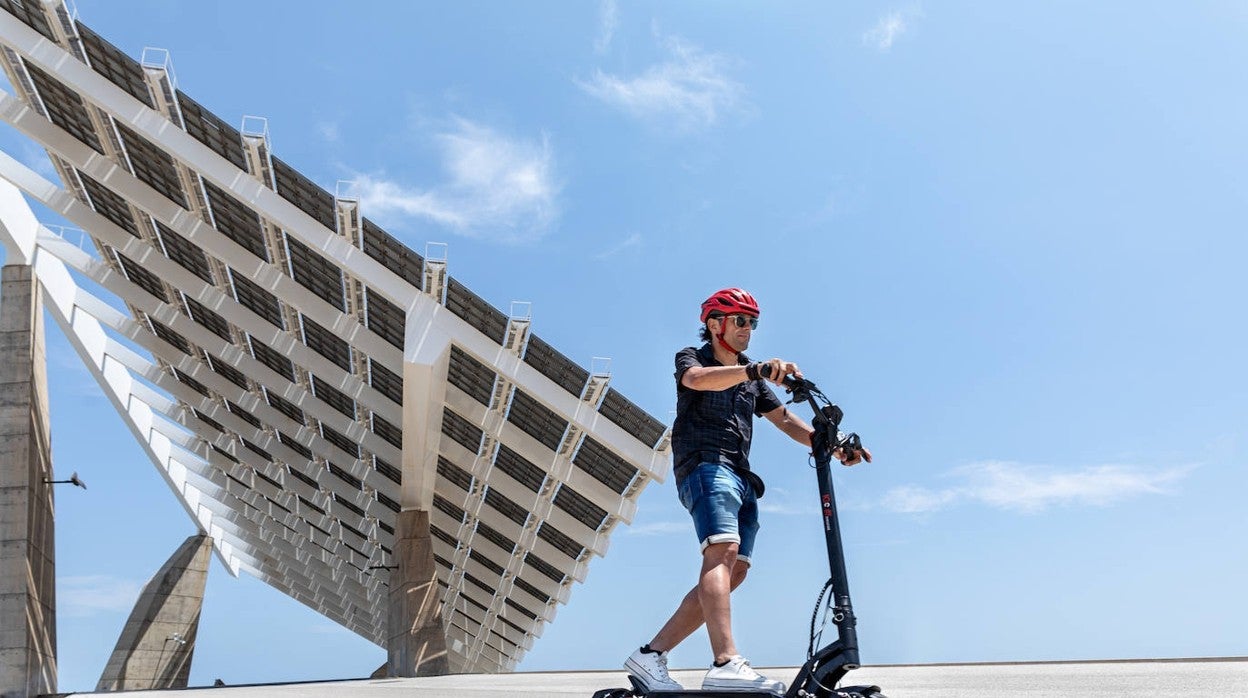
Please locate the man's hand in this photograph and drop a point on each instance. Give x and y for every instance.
(776, 369)
(854, 457)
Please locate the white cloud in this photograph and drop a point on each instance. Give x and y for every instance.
(96, 593)
(608, 20)
(891, 27)
(688, 91)
(498, 188)
(328, 131)
(659, 528)
(1030, 489)
(632, 241)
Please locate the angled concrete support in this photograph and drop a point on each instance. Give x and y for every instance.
(417, 640)
(155, 647)
(27, 550)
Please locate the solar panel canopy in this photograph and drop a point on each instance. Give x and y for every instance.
(298, 374)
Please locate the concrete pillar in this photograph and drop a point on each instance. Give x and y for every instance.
(27, 549)
(155, 647)
(417, 640)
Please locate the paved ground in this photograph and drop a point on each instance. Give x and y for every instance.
(1134, 679)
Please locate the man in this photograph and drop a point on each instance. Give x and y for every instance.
(718, 393)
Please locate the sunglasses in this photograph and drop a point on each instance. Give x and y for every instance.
(742, 320)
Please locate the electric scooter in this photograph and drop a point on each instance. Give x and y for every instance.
(824, 668)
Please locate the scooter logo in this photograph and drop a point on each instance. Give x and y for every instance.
(827, 501)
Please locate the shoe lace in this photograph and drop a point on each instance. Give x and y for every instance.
(661, 660)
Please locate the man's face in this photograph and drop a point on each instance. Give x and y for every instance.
(737, 330)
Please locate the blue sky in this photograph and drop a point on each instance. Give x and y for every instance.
(1007, 238)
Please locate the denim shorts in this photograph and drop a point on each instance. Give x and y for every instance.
(723, 507)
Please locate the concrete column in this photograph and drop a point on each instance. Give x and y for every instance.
(417, 640)
(155, 647)
(27, 549)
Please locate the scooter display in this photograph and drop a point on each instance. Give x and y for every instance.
(824, 669)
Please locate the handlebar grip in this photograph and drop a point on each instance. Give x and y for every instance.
(764, 370)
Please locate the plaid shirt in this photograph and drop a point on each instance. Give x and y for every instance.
(716, 426)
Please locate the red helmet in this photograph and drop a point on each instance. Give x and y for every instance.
(730, 301)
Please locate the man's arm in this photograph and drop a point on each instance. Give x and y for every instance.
(801, 432)
(791, 424)
(716, 378)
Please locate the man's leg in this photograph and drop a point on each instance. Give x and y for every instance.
(689, 616)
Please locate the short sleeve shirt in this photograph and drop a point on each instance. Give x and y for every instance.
(715, 426)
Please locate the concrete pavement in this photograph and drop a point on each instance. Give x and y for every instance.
(1223, 677)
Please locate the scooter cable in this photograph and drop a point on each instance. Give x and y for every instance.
(814, 617)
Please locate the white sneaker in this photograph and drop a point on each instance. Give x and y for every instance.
(738, 675)
(650, 668)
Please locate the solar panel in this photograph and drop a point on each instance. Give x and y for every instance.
(340, 440)
(273, 359)
(479, 584)
(389, 504)
(545, 568)
(315, 273)
(230, 373)
(492, 535)
(385, 381)
(455, 474)
(143, 278)
(604, 466)
(236, 221)
(384, 318)
(461, 430)
(173, 338)
(304, 193)
(108, 204)
(65, 107)
(561, 542)
(631, 418)
(488, 320)
(209, 421)
(292, 444)
(152, 165)
(531, 590)
(333, 397)
(555, 366)
(524, 611)
(389, 471)
(187, 254)
(206, 128)
(109, 61)
(520, 469)
(246, 417)
(257, 450)
(208, 318)
(286, 407)
(580, 508)
(348, 478)
(310, 505)
(392, 254)
(392, 434)
(326, 343)
(191, 382)
(470, 376)
(503, 505)
(443, 536)
(448, 508)
(485, 562)
(30, 14)
(536, 420)
(257, 300)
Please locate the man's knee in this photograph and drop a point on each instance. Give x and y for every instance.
(721, 554)
(739, 571)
